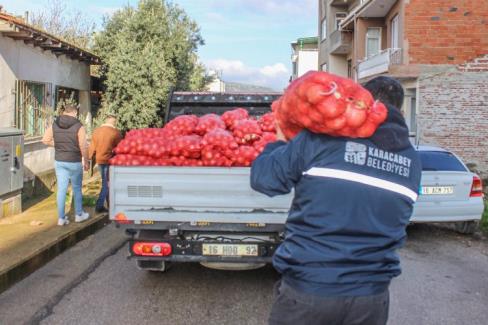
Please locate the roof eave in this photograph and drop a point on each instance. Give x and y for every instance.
(17, 29)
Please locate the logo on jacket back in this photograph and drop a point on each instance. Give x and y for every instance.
(363, 155)
(356, 153)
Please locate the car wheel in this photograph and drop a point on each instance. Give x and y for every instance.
(466, 227)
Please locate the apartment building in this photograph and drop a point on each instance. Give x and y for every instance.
(438, 50)
(305, 56)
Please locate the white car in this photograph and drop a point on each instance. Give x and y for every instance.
(449, 191)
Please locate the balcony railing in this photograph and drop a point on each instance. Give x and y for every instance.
(340, 42)
(379, 63)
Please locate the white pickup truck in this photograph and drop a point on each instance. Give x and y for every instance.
(198, 214)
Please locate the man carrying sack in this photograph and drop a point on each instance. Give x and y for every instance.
(353, 201)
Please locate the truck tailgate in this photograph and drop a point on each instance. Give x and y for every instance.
(192, 194)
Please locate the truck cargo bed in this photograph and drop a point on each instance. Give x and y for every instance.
(191, 195)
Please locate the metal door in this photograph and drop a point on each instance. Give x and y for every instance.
(5, 164)
(17, 166)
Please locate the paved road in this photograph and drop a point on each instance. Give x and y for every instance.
(445, 281)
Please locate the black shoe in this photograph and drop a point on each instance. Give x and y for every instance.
(101, 210)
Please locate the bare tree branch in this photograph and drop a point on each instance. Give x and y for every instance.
(73, 26)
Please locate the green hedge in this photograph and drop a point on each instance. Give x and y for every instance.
(484, 219)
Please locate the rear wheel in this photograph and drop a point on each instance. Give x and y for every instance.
(466, 227)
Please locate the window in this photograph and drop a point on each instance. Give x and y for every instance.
(440, 161)
(64, 94)
(339, 17)
(395, 34)
(413, 115)
(324, 30)
(295, 69)
(323, 67)
(349, 68)
(33, 107)
(410, 109)
(373, 41)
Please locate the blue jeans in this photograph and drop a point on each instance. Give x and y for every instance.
(104, 191)
(66, 172)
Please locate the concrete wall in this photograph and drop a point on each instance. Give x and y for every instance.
(453, 113)
(324, 56)
(19, 61)
(338, 65)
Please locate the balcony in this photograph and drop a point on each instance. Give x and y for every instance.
(340, 42)
(342, 3)
(367, 9)
(379, 63)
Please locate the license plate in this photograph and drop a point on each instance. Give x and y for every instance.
(230, 250)
(437, 190)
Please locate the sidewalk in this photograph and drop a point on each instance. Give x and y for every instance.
(31, 239)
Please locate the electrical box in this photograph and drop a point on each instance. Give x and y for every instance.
(11, 160)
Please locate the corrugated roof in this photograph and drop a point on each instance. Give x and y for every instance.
(308, 40)
(18, 29)
(301, 42)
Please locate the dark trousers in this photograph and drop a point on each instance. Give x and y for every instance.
(296, 308)
(103, 196)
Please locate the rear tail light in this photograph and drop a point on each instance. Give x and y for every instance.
(477, 187)
(122, 219)
(151, 249)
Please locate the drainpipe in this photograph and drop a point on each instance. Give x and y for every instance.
(354, 54)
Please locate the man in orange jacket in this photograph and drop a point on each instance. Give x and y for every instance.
(104, 140)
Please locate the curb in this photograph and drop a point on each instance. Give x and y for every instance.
(45, 254)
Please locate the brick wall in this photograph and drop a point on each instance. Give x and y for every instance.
(446, 31)
(477, 65)
(453, 112)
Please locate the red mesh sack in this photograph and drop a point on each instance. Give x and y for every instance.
(266, 138)
(188, 146)
(245, 155)
(230, 118)
(267, 122)
(181, 125)
(220, 139)
(213, 157)
(209, 122)
(325, 103)
(247, 131)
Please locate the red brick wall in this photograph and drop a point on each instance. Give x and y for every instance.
(453, 113)
(446, 31)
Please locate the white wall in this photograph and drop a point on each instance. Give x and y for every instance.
(19, 61)
(38, 159)
(7, 86)
(216, 86)
(307, 60)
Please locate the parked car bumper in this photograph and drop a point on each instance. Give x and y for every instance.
(454, 211)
